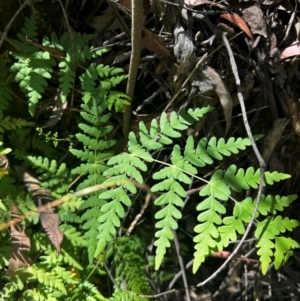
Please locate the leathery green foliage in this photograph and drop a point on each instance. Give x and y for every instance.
(93, 225)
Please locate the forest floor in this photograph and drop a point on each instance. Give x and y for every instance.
(184, 63)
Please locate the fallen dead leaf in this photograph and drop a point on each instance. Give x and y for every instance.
(42, 197)
(292, 50)
(225, 254)
(254, 17)
(239, 22)
(224, 95)
(21, 244)
(155, 43)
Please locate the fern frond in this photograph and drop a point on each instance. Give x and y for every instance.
(9, 124)
(66, 77)
(73, 235)
(32, 73)
(49, 279)
(215, 233)
(95, 141)
(29, 30)
(11, 288)
(50, 259)
(49, 173)
(37, 295)
(267, 231)
(129, 165)
(90, 292)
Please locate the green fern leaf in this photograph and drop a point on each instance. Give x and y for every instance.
(243, 210)
(30, 30)
(73, 235)
(118, 99)
(229, 231)
(66, 77)
(31, 73)
(275, 176)
(216, 187)
(249, 179)
(49, 173)
(205, 242)
(194, 115)
(48, 279)
(218, 148)
(283, 247)
(9, 124)
(31, 27)
(90, 219)
(271, 204)
(37, 295)
(148, 140)
(266, 232)
(51, 259)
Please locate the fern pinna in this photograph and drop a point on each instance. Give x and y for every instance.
(213, 232)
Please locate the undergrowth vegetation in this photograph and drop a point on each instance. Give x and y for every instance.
(93, 195)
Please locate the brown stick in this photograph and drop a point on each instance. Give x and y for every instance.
(136, 36)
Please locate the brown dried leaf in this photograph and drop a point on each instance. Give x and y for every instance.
(49, 220)
(21, 244)
(155, 43)
(224, 95)
(292, 50)
(239, 22)
(254, 17)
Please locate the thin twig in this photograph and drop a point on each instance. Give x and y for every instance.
(5, 32)
(256, 151)
(182, 267)
(149, 195)
(110, 276)
(230, 273)
(54, 203)
(178, 275)
(158, 295)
